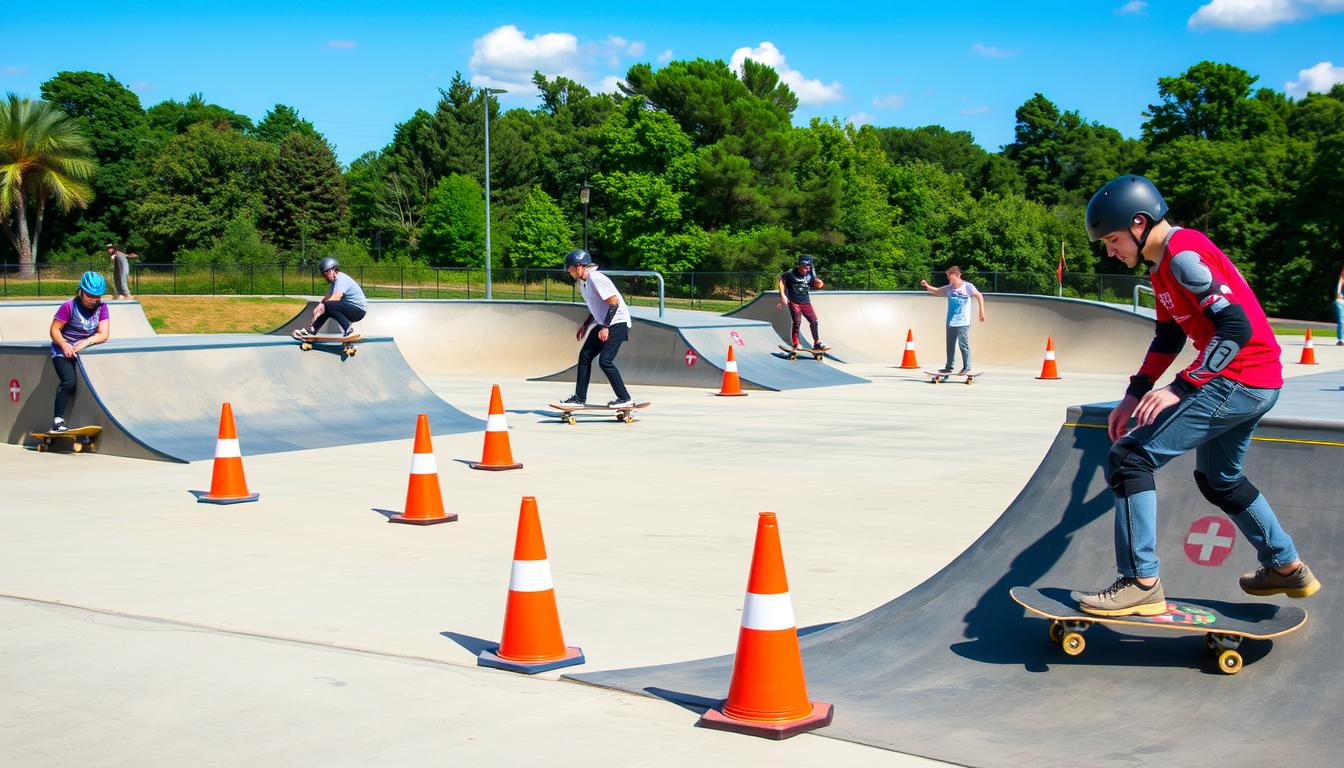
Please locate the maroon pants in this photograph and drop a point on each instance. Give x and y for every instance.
(799, 311)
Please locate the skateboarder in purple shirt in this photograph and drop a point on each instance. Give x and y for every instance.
(78, 324)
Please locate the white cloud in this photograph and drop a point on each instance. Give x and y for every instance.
(992, 52)
(1132, 8)
(862, 118)
(1252, 15)
(344, 45)
(506, 57)
(14, 71)
(1317, 79)
(610, 84)
(981, 110)
(890, 101)
(808, 91)
(665, 56)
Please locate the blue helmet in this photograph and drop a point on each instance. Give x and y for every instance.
(805, 260)
(93, 284)
(577, 257)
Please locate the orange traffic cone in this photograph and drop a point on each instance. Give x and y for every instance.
(1308, 351)
(532, 640)
(227, 483)
(424, 500)
(1048, 368)
(908, 359)
(768, 694)
(732, 383)
(497, 456)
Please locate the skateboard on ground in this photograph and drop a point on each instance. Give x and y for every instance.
(794, 352)
(938, 377)
(81, 439)
(625, 414)
(347, 343)
(1224, 625)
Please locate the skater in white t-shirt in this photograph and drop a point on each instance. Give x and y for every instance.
(607, 309)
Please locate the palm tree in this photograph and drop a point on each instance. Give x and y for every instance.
(43, 157)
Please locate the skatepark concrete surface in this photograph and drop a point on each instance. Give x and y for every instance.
(140, 628)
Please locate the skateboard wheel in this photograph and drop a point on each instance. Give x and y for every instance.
(305, 346)
(42, 447)
(1056, 632)
(1229, 662)
(1073, 643)
(78, 447)
(93, 447)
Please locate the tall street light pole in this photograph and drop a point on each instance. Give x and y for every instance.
(583, 198)
(486, 93)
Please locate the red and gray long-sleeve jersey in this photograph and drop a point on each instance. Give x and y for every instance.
(1202, 296)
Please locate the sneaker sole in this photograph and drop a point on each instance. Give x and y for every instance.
(1151, 609)
(1298, 592)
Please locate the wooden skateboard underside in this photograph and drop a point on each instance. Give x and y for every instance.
(622, 414)
(347, 342)
(1224, 625)
(793, 352)
(81, 439)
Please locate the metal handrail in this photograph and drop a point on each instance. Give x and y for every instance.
(662, 288)
(1141, 288)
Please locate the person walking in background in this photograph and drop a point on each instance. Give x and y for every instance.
(1339, 309)
(121, 270)
(794, 286)
(78, 323)
(959, 294)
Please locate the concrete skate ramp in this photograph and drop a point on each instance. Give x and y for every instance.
(953, 670)
(160, 398)
(536, 338)
(690, 349)
(31, 320)
(870, 327)
(443, 337)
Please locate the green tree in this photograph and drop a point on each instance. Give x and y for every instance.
(238, 243)
(1207, 101)
(454, 224)
(110, 116)
(171, 118)
(202, 180)
(43, 158)
(303, 193)
(539, 233)
(279, 122)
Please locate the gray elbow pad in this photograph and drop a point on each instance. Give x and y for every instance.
(1219, 353)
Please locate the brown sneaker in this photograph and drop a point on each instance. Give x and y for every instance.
(1267, 581)
(1126, 597)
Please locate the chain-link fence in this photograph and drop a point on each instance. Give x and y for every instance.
(712, 291)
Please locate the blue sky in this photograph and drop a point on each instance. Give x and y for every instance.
(357, 69)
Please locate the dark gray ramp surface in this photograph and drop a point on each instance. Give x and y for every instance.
(160, 397)
(953, 670)
(690, 349)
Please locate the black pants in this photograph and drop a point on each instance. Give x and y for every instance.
(343, 312)
(66, 372)
(605, 352)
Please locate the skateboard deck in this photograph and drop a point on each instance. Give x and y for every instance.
(81, 439)
(625, 414)
(938, 377)
(347, 342)
(1224, 625)
(794, 352)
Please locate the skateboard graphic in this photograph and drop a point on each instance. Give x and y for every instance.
(938, 377)
(81, 439)
(625, 414)
(793, 352)
(1224, 625)
(348, 348)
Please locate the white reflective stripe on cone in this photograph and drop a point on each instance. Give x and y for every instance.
(228, 448)
(768, 612)
(530, 576)
(423, 464)
(1050, 355)
(910, 345)
(731, 367)
(495, 422)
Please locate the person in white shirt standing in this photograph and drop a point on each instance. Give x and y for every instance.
(608, 311)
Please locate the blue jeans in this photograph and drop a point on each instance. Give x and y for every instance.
(959, 337)
(1217, 421)
(1339, 319)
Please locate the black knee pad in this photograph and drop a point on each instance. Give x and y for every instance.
(1233, 499)
(1128, 472)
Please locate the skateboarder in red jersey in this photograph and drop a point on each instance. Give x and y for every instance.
(1213, 406)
